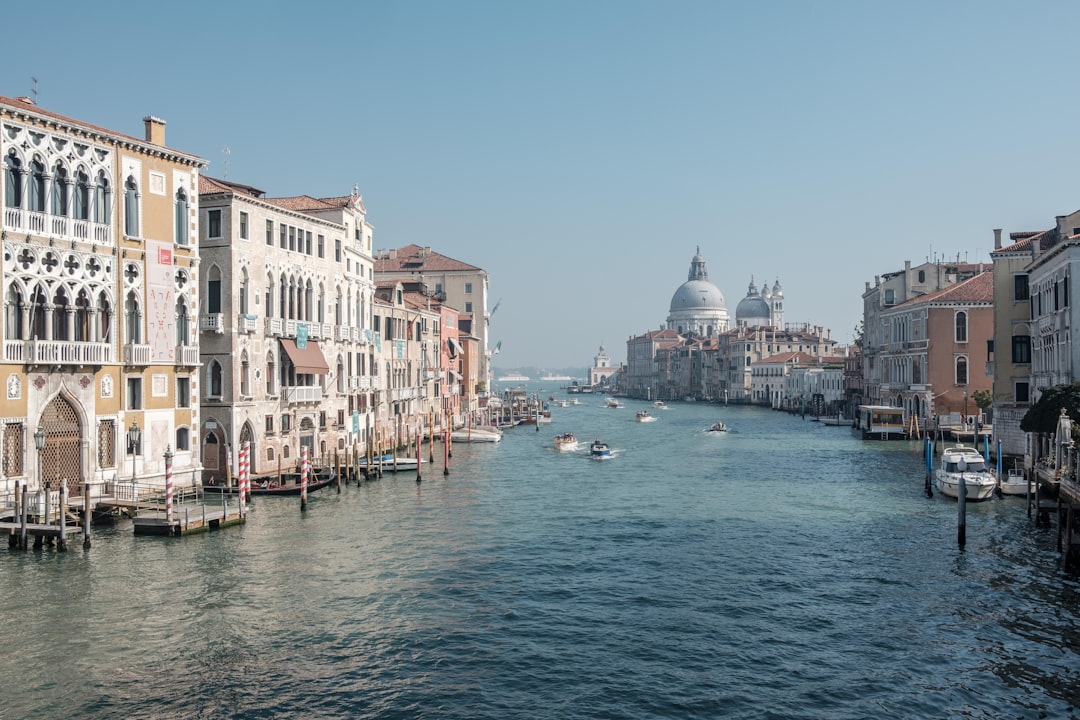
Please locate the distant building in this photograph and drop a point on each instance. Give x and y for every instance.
(697, 307)
(601, 369)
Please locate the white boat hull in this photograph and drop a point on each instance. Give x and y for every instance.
(475, 436)
(1016, 485)
(566, 446)
(980, 486)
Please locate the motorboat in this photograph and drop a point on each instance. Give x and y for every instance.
(964, 463)
(612, 402)
(389, 463)
(645, 416)
(566, 442)
(660, 405)
(575, 401)
(600, 450)
(1014, 483)
(717, 427)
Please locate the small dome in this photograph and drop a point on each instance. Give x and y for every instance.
(776, 289)
(752, 308)
(694, 294)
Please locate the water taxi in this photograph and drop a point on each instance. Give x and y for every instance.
(566, 442)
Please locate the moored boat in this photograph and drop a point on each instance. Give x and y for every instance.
(963, 463)
(1014, 483)
(599, 450)
(566, 442)
(271, 486)
(476, 435)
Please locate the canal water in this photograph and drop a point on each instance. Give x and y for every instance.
(781, 570)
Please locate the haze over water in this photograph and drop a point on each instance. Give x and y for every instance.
(781, 570)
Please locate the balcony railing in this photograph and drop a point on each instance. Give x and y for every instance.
(187, 355)
(274, 326)
(62, 352)
(57, 226)
(302, 394)
(245, 323)
(212, 322)
(137, 354)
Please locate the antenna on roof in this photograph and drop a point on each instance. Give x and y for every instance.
(33, 90)
(226, 152)
(356, 189)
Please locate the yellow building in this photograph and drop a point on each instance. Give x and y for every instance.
(100, 357)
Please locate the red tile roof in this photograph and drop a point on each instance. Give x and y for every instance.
(413, 258)
(209, 185)
(799, 358)
(979, 288)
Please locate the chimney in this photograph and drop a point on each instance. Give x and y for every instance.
(392, 254)
(997, 238)
(155, 130)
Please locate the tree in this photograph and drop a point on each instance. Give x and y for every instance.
(859, 334)
(1043, 415)
(983, 398)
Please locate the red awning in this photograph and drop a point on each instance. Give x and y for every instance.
(310, 360)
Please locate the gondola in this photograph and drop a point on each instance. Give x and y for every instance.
(271, 488)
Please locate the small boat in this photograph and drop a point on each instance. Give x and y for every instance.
(575, 401)
(271, 486)
(1015, 484)
(645, 416)
(566, 442)
(717, 427)
(964, 463)
(612, 402)
(599, 450)
(388, 464)
(476, 435)
(660, 405)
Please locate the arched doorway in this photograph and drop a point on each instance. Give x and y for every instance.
(61, 460)
(307, 437)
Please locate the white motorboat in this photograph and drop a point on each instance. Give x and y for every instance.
(600, 450)
(660, 405)
(717, 427)
(645, 416)
(476, 435)
(566, 442)
(612, 402)
(964, 463)
(1014, 483)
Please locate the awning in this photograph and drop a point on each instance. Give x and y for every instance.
(310, 360)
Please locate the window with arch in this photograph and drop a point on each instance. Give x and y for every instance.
(102, 198)
(340, 375)
(961, 326)
(83, 314)
(245, 375)
(216, 378)
(243, 298)
(13, 314)
(183, 439)
(181, 217)
(37, 186)
(270, 370)
(59, 204)
(182, 325)
(12, 181)
(213, 290)
(922, 276)
(132, 325)
(104, 317)
(269, 297)
(269, 454)
(131, 207)
(961, 370)
(60, 302)
(82, 196)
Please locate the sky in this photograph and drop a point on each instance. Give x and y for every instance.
(581, 152)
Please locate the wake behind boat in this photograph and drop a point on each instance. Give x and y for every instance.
(566, 442)
(964, 463)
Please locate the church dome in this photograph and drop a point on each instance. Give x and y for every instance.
(697, 295)
(754, 309)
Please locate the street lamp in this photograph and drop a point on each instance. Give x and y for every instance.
(39, 443)
(134, 435)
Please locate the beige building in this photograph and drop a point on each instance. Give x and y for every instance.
(1012, 340)
(99, 273)
(288, 344)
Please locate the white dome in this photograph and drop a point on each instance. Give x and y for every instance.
(697, 294)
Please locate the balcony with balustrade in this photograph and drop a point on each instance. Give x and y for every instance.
(246, 323)
(212, 322)
(187, 355)
(297, 394)
(56, 227)
(135, 354)
(57, 352)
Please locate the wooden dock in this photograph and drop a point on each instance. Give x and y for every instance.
(188, 519)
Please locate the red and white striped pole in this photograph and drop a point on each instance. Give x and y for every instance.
(168, 487)
(245, 475)
(303, 477)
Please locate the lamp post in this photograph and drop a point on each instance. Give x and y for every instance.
(39, 443)
(134, 435)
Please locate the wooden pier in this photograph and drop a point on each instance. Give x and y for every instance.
(188, 519)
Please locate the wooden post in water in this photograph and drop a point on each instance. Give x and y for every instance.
(86, 515)
(431, 435)
(929, 467)
(419, 452)
(62, 545)
(23, 517)
(961, 511)
(446, 446)
(303, 478)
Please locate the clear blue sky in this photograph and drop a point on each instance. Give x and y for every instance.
(581, 151)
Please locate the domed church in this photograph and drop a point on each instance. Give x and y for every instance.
(761, 309)
(698, 306)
